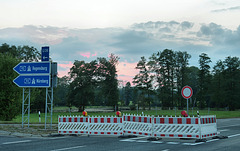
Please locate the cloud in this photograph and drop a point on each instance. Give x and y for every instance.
(220, 36)
(235, 8)
(140, 39)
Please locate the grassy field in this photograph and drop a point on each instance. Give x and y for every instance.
(34, 117)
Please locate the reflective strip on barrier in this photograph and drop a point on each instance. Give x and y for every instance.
(175, 120)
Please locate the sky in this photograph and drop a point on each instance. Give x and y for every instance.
(130, 29)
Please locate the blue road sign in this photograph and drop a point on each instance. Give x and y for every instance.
(36, 81)
(33, 68)
(45, 53)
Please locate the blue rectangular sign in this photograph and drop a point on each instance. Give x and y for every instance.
(33, 68)
(45, 53)
(36, 81)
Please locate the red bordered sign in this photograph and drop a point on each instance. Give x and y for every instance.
(187, 92)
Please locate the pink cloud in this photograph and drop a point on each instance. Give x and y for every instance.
(64, 68)
(86, 54)
(66, 65)
(126, 71)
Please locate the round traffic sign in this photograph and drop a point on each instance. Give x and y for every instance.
(187, 92)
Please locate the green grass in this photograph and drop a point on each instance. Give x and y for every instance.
(34, 118)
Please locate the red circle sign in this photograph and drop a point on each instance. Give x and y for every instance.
(187, 92)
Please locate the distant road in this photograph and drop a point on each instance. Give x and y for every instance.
(227, 127)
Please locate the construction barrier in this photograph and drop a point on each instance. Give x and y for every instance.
(169, 127)
(208, 126)
(176, 127)
(72, 125)
(105, 126)
(137, 125)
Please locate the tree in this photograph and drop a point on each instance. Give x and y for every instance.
(23, 53)
(108, 73)
(218, 98)
(60, 95)
(81, 90)
(204, 80)
(232, 82)
(128, 93)
(10, 94)
(182, 59)
(143, 81)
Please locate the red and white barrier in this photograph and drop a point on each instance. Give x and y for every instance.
(177, 127)
(208, 126)
(137, 125)
(170, 127)
(72, 125)
(105, 126)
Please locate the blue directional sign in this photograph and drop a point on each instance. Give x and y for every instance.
(37, 81)
(45, 53)
(33, 68)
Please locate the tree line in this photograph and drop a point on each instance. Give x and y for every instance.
(162, 77)
(158, 82)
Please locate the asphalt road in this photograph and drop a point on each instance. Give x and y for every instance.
(226, 127)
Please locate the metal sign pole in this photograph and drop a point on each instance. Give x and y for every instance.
(187, 106)
(23, 108)
(46, 108)
(29, 96)
(51, 106)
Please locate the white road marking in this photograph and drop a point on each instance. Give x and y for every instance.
(234, 135)
(67, 148)
(165, 150)
(192, 144)
(173, 143)
(142, 141)
(56, 138)
(25, 141)
(127, 140)
(156, 142)
(224, 130)
(138, 137)
(212, 140)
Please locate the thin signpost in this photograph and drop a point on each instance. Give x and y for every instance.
(187, 93)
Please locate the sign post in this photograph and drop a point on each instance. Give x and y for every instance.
(187, 93)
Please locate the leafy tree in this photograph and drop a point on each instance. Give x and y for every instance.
(81, 90)
(107, 70)
(10, 94)
(60, 95)
(23, 53)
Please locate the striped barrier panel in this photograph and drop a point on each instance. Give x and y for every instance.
(105, 126)
(176, 127)
(208, 126)
(72, 125)
(138, 125)
(171, 127)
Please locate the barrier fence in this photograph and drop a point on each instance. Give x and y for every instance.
(171, 127)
